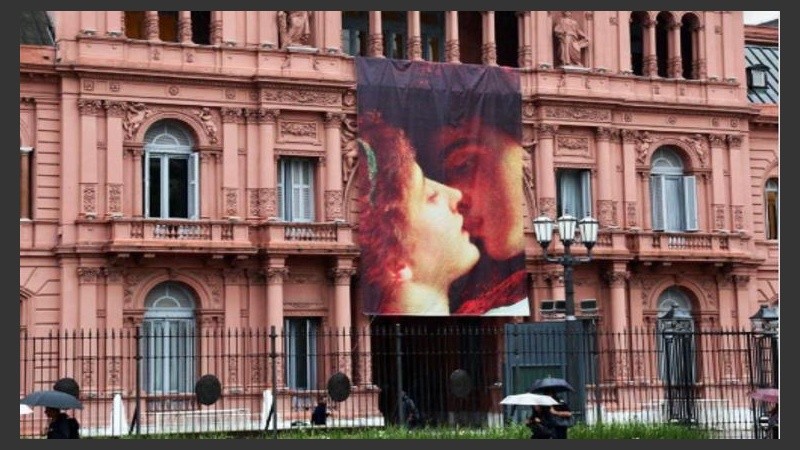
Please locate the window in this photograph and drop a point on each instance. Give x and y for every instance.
(301, 352)
(201, 27)
(134, 24)
(431, 27)
(637, 38)
(171, 172)
(168, 344)
(296, 189)
(355, 33)
(395, 34)
(673, 195)
(25, 182)
(168, 26)
(772, 200)
(574, 192)
(757, 76)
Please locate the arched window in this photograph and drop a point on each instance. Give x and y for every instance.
(25, 182)
(171, 172)
(772, 202)
(673, 195)
(664, 49)
(168, 344)
(638, 34)
(690, 47)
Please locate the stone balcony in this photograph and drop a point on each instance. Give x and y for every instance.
(666, 247)
(305, 238)
(175, 235)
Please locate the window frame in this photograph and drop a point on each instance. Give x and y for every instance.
(667, 177)
(768, 225)
(583, 178)
(163, 154)
(306, 329)
(291, 209)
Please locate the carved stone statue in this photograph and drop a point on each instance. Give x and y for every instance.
(294, 28)
(135, 114)
(571, 40)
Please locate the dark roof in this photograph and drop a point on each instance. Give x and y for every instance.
(769, 56)
(35, 28)
(771, 23)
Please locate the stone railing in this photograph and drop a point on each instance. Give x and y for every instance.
(177, 233)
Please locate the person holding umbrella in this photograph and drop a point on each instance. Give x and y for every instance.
(61, 426)
(560, 416)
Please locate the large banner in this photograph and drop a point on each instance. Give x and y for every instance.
(440, 189)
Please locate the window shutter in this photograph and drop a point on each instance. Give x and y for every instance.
(657, 201)
(690, 202)
(308, 191)
(296, 188)
(146, 172)
(281, 202)
(586, 193)
(194, 186)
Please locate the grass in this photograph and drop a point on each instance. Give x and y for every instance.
(514, 431)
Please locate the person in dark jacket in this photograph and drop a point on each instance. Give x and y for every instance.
(320, 414)
(61, 426)
(540, 423)
(561, 417)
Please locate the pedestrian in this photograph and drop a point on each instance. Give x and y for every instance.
(320, 414)
(562, 418)
(410, 412)
(540, 423)
(61, 426)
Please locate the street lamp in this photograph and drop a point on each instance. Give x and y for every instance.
(543, 226)
(765, 326)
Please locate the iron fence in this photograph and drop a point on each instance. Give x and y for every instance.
(144, 380)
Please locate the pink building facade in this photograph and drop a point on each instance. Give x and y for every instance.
(200, 163)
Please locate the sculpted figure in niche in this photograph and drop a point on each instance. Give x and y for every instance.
(571, 40)
(294, 27)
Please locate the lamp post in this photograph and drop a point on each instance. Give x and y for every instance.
(765, 326)
(543, 226)
(765, 367)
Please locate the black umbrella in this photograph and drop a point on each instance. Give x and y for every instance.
(52, 399)
(550, 384)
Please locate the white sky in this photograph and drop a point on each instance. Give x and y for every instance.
(757, 17)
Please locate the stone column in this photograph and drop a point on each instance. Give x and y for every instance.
(718, 189)
(414, 46)
(185, 27)
(114, 159)
(452, 52)
(333, 167)
(622, 19)
(745, 307)
(605, 201)
(341, 275)
(375, 44)
(276, 274)
(151, 25)
(88, 22)
(267, 194)
(114, 20)
(675, 68)
(650, 58)
(618, 315)
(86, 300)
(25, 182)
(115, 293)
(253, 208)
(630, 193)
(88, 156)
(525, 39)
(230, 162)
(699, 46)
(216, 27)
(489, 49)
(727, 303)
(739, 171)
(138, 180)
(546, 177)
(543, 38)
